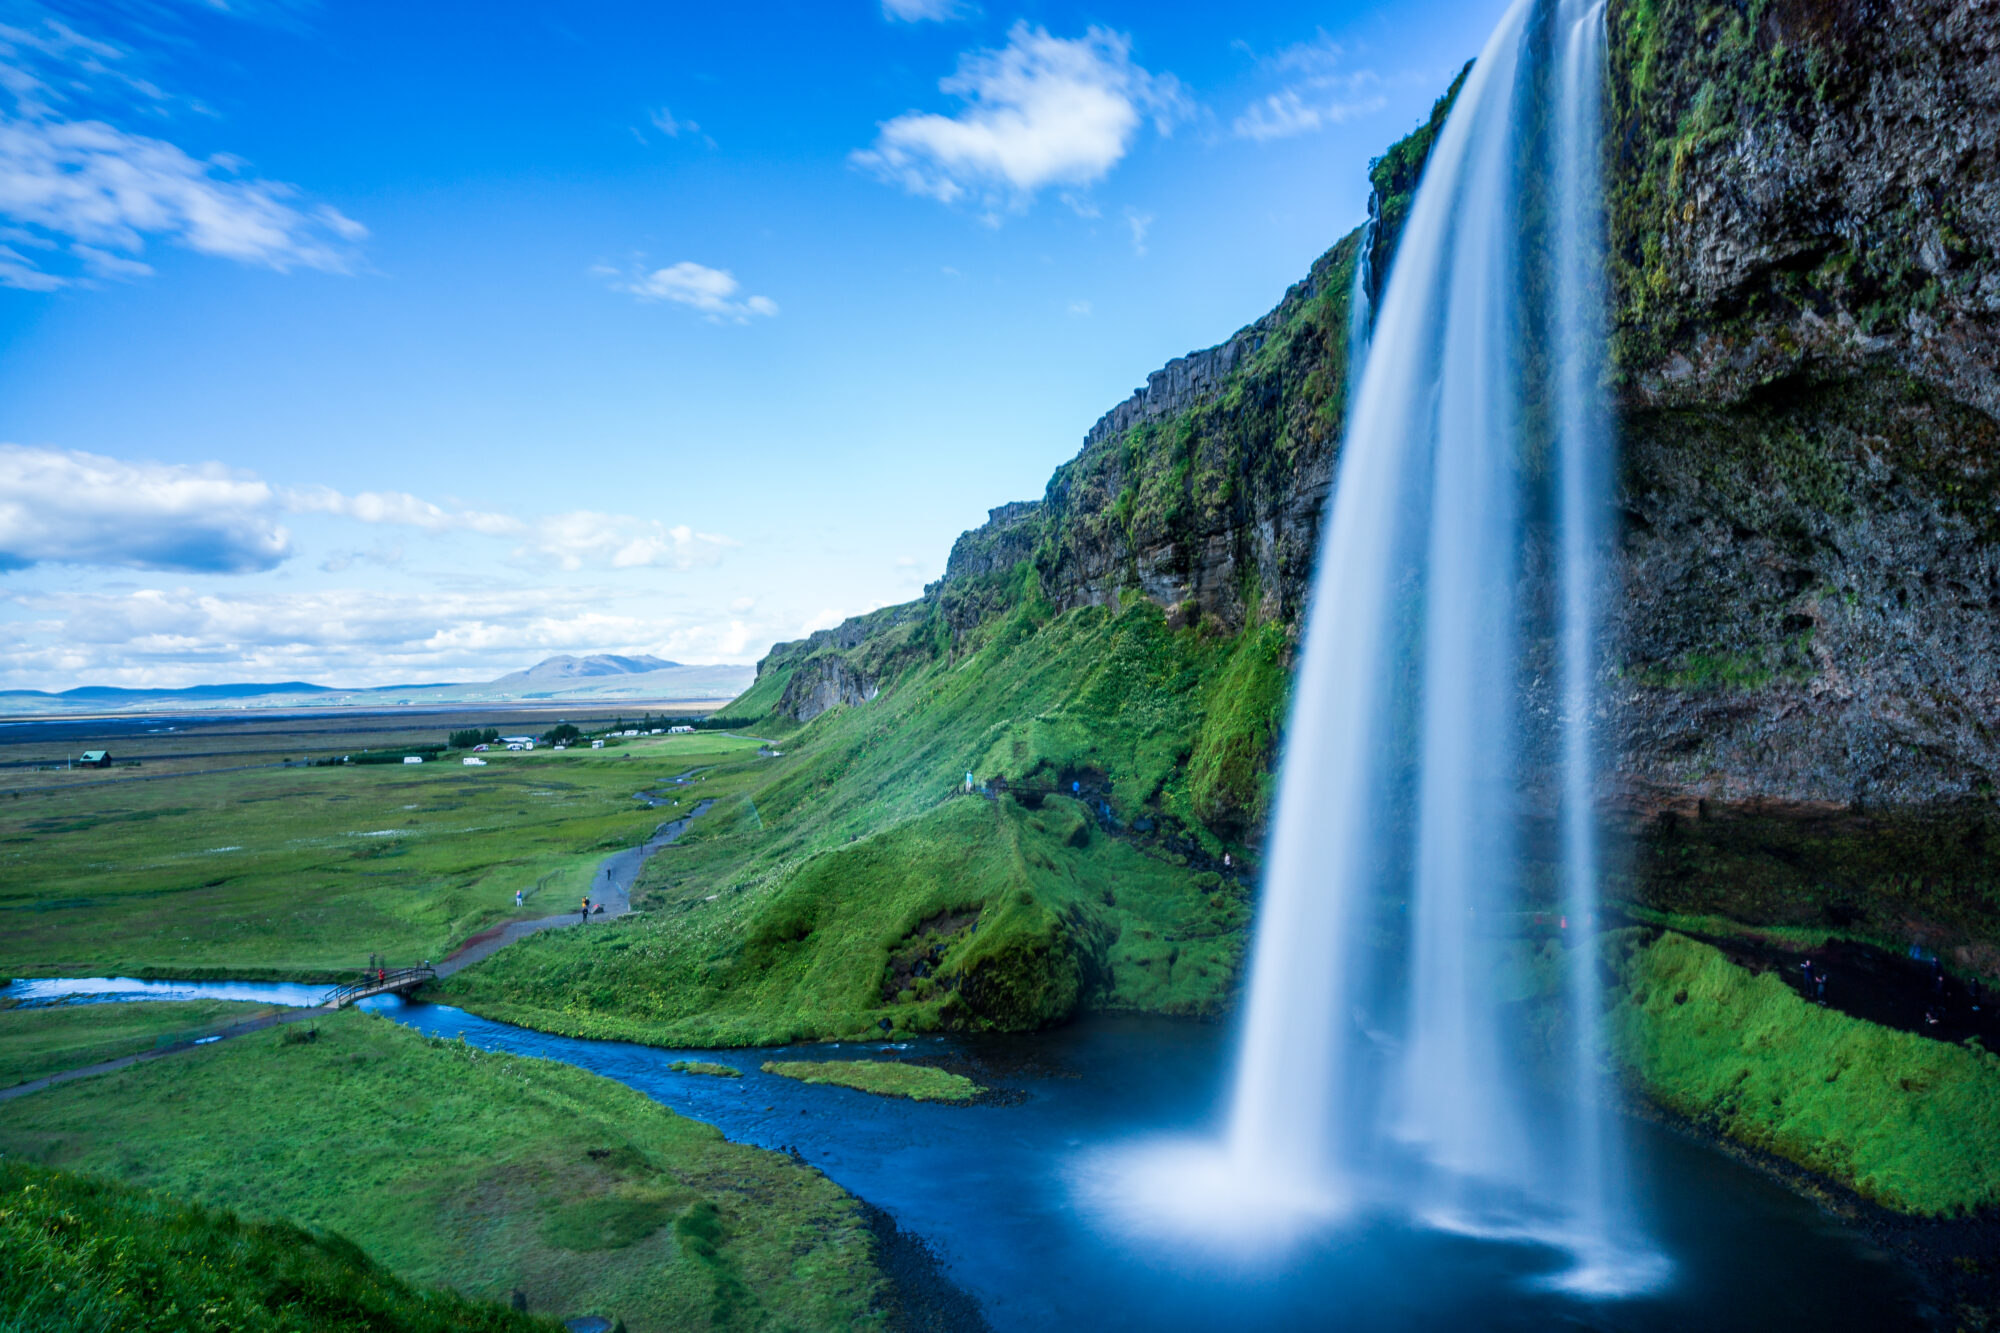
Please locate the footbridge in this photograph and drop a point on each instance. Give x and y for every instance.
(400, 982)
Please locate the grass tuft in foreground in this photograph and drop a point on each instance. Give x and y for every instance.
(82, 1253)
(884, 1078)
(1903, 1120)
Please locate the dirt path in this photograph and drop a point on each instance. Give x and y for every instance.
(612, 886)
(140, 1057)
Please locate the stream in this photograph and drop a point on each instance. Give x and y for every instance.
(1001, 1190)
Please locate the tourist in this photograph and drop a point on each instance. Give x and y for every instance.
(586, 909)
(517, 897)
(968, 784)
(1819, 987)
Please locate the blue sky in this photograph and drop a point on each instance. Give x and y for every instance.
(380, 343)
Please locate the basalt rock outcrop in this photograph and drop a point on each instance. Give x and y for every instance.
(1804, 698)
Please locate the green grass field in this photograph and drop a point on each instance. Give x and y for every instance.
(481, 1172)
(77, 1252)
(304, 872)
(41, 1041)
(1904, 1120)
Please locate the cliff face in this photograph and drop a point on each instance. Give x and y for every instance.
(1805, 218)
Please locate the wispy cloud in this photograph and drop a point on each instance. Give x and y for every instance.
(1318, 92)
(66, 507)
(94, 194)
(583, 538)
(715, 292)
(401, 508)
(1139, 224)
(918, 11)
(1042, 111)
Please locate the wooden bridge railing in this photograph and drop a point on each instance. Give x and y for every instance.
(379, 983)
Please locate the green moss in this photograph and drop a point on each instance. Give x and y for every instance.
(884, 1078)
(708, 1067)
(1901, 1119)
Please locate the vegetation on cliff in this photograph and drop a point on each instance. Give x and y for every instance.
(1903, 1120)
(486, 1173)
(78, 1252)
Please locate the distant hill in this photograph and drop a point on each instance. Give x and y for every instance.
(597, 678)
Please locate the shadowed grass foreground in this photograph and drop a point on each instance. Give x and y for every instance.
(486, 1173)
(82, 1253)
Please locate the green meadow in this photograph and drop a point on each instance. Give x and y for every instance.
(486, 1173)
(884, 1078)
(303, 872)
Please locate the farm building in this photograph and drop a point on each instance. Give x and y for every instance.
(95, 759)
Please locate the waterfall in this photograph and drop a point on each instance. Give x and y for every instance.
(1388, 1058)
(1361, 298)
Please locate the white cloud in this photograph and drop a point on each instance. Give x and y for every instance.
(100, 192)
(65, 507)
(1079, 308)
(1317, 95)
(917, 11)
(346, 636)
(1043, 111)
(713, 291)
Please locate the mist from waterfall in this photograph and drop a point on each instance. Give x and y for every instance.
(1422, 1018)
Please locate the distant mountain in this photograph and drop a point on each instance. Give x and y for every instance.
(116, 694)
(555, 670)
(597, 678)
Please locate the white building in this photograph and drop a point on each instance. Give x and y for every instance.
(470, 762)
(412, 759)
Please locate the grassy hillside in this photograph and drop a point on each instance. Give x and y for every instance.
(481, 1172)
(852, 881)
(78, 1252)
(303, 872)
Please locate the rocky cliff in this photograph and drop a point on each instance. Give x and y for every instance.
(1805, 219)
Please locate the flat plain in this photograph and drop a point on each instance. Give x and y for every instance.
(302, 872)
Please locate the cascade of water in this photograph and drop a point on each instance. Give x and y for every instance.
(1361, 300)
(1382, 1052)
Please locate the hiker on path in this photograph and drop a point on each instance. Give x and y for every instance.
(586, 911)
